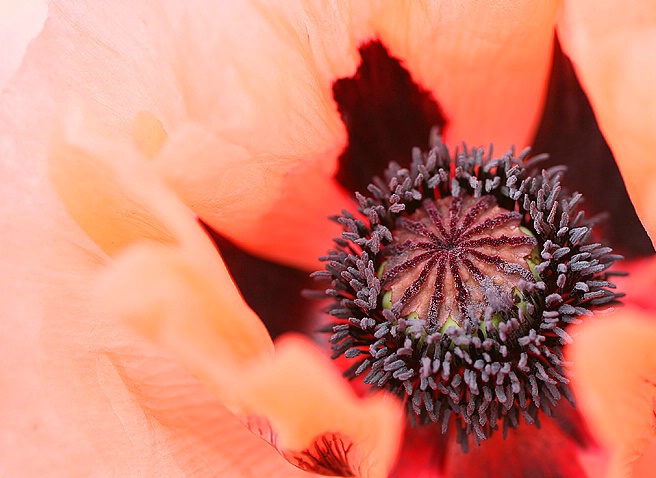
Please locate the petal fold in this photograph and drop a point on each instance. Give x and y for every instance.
(171, 300)
(296, 400)
(359, 435)
(113, 194)
(169, 282)
(611, 47)
(262, 128)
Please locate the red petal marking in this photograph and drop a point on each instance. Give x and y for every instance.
(528, 451)
(328, 455)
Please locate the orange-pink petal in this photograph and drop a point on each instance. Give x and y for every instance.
(170, 299)
(614, 371)
(274, 207)
(487, 64)
(83, 396)
(262, 127)
(169, 282)
(249, 80)
(183, 407)
(113, 194)
(255, 93)
(296, 400)
(287, 392)
(611, 45)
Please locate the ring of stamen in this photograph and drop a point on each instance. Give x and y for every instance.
(455, 284)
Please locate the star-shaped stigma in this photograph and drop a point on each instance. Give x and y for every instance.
(455, 256)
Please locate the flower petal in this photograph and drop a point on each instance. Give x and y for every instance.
(276, 209)
(256, 76)
(264, 132)
(363, 433)
(258, 88)
(184, 407)
(615, 368)
(82, 396)
(645, 465)
(297, 401)
(611, 47)
(161, 291)
(94, 189)
(487, 65)
(20, 22)
(113, 195)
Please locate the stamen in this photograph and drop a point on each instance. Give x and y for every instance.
(455, 285)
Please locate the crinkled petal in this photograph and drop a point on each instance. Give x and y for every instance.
(614, 365)
(487, 64)
(81, 395)
(256, 93)
(183, 406)
(163, 282)
(297, 401)
(256, 80)
(113, 194)
(265, 133)
(611, 45)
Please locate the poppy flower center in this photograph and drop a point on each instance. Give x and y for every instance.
(452, 256)
(454, 284)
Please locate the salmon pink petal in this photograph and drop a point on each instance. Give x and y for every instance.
(113, 194)
(611, 46)
(486, 64)
(81, 395)
(645, 465)
(252, 83)
(103, 195)
(257, 157)
(362, 434)
(161, 291)
(275, 208)
(297, 401)
(614, 365)
(221, 445)
(255, 76)
(20, 22)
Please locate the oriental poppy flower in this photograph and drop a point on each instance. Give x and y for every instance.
(237, 115)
